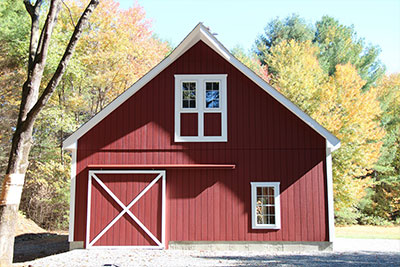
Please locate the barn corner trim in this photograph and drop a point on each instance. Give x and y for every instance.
(200, 32)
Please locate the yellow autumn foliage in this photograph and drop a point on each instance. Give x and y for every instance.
(299, 75)
(338, 103)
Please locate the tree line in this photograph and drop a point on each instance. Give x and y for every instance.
(334, 76)
(324, 68)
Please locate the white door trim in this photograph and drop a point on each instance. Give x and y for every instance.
(126, 209)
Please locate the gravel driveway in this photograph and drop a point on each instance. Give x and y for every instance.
(386, 253)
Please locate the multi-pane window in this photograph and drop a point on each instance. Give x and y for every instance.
(265, 205)
(201, 108)
(212, 94)
(188, 95)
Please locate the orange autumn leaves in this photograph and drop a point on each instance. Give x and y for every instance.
(116, 50)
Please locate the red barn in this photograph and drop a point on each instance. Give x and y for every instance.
(201, 153)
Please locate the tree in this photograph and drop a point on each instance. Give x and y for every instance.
(291, 28)
(125, 51)
(298, 74)
(353, 116)
(383, 200)
(338, 103)
(337, 43)
(30, 107)
(252, 62)
(14, 31)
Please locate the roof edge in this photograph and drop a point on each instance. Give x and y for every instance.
(200, 32)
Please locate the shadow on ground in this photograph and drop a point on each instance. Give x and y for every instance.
(28, 247)
(326, 259)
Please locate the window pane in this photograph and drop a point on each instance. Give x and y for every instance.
(259, 191)
(212, 99)
(272, 219)
(265, 191)
(216, 86)
(271, 210)
(271, 191)
(260, 219)
(212, 95)
(265, 219)
(271, 200)
(261, 200)
(264, 210)
(189, 95)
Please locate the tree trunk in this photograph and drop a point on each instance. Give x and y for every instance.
(31, 105)
(11, 193)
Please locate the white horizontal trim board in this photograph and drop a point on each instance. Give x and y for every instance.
(200, 32)
(126, 209)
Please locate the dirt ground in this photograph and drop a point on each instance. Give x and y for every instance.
(32, 242)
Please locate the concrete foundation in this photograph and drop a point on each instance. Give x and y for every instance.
(251, 245)
(75, 245)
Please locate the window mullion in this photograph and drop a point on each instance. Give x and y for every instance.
(200, 102)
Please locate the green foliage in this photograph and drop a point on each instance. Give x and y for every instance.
(291, 28)
(374, 220)
(383, 199)
(252, 62)
(338, 45)
(347, 216)
(46, 194)
(14, 30)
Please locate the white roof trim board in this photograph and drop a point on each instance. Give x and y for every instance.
(200, 32)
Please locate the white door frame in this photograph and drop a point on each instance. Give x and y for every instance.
(126, 209)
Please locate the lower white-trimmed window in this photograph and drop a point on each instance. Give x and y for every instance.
(265, 205)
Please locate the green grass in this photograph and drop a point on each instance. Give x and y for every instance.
(368, 232)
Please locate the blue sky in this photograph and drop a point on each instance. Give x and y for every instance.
(239, 22)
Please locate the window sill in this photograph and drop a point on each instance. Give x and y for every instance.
(201, 139)
(271, 227)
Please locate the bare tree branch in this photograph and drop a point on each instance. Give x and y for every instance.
(70, 13)
(34, 12)
(45, 37)
(37, 56)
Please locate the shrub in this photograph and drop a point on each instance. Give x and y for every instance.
(347, 216)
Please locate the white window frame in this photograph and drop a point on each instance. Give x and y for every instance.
(254, 223)
(200, 80)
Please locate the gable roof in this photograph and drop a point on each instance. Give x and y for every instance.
(200, 32)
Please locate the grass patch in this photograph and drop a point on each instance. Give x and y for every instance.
(368, 232)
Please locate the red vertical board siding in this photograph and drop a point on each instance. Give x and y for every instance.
(189, 125)
(265, 141)
(212, 124)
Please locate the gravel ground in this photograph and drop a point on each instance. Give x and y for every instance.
(131, 257)
(348, 252)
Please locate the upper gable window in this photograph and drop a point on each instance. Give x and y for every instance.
(200, 108)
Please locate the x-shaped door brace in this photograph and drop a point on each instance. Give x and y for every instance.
(126, 209)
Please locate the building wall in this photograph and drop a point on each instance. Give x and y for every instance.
(265, 141)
